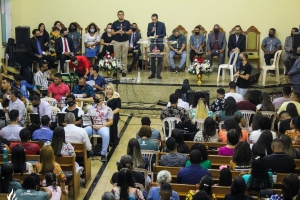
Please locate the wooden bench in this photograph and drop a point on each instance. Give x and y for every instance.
(217, 161)
(207, 144)
(181, 189)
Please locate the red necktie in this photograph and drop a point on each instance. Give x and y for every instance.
(66, 46)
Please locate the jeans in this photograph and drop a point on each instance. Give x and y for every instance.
(241, 91)
(182, 60)
(104, 133)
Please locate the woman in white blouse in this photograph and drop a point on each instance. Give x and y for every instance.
(92, 42)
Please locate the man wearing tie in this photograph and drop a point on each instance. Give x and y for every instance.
(236, 41)
(64, 48)
(270, 45)
(156, 29)
(288, 48)
(134, 47)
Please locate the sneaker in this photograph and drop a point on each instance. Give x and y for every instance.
(159, 77)
(151, 76)
(103, 158)
(175, 71)
(115, 75)
(129, 69)
(123, 74)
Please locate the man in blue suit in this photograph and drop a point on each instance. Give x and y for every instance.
(157, 30)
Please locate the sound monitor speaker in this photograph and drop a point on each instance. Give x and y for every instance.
(22, 57)
(296, 43)
(195, 95)
(22, 36)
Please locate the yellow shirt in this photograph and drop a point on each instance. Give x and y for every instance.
(284, 105)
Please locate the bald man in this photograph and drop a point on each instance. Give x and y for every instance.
(294, 73)
(278, 161)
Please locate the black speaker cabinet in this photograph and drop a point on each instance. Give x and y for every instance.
(22, 36)
(22, 57)
(193, 95)
(296, 43)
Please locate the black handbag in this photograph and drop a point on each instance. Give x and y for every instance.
(266, 193)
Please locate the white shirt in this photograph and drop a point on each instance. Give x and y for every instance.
(254, 135)
(236, 96)
(44, 109)
(91, 39)
(63, 41)
(131, 40)
(18, 105)
(181, 104)
(11, 132)
(74, 134)
(40, 79)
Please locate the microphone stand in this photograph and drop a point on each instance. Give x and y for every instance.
(92, 121)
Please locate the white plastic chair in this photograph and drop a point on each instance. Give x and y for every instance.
(54, 111)
(274, 66)
(149, 155)
(247, 116)
(228, 66)
(68, 67)
(51, 101)
(145, 172)
(271, 115)
(171, 124)
(200, 123)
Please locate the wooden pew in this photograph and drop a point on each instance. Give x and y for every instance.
(39, 143)
(173, 170)
(181, 189)
(67, 163)
(207, 144)
(217, 161)
(81, 152)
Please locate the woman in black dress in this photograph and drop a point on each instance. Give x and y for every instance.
(107, 42)
(114, 102)
(44, 34)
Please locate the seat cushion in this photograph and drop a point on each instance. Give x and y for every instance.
(252, 57)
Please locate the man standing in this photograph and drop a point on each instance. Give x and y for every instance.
(58, 89)
(177, 44)
(294, 73)
(81, 65)
(232, 92)
(134, 47)
(156, 29)
(102, 121)
(270, 45)
(288, 48)
(42, 76)
(236, 41)
(64, 48)
(216, 45)
(197, 43)
(37, 49)
(99, 80)
(16, 104)
(120, 30)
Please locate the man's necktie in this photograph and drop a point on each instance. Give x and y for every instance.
(66, 46)
(39, 47)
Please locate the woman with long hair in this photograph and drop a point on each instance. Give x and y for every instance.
(233, 137)
(209, 133)
(259, 178)
(201, 110)
(241, 159)
(59, 144)
(266, 103)
(107, 42)
(286, 118)
(205, 185)
(114, 102)
(55, 34)
(181, 146)
(47, 164)
(263, 145)
(125, 188)
(205, 163)
(292, 110)
(294, 133)
(6, 179)
(229, 110)
(44, 34)
(92, 42)
(18, 159)
(51, 182)
(238, 190)
(162, 177)
(75, 36)
(256, 117)
(134, 150)
(225, 178)
(289, 188)
(231, 123)
(185, 88)
(288, 147)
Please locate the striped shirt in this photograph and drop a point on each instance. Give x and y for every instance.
(40, 79)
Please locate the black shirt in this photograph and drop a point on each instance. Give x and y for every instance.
(45, 36)
(76, 113)
(284, 126)
(234, 197)
(280, 162)
(114, 103)
(107, 39)
(125, 27)
(138, 177)
(245, 69)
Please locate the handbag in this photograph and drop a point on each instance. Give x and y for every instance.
(266, 193)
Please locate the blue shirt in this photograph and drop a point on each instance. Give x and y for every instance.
(42, 134)
(23, 88)
(88, 90)
(100, 81)
(191, 174)
(271, 43)
(197, 41)
(154, 194)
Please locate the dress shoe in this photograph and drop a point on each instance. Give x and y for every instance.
(115, 74)
(103, 158)
(129, 69)
(123, 74)
(151, 76)
(159, 77)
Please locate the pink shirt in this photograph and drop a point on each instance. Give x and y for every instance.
(225, 151)
(56, 194)
(59, 91)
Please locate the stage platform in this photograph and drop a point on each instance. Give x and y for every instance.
(152, 90)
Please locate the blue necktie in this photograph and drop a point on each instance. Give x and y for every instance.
(39, 47)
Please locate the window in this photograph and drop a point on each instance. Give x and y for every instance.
(6, 30)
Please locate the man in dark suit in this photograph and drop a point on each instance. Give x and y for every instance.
(64, 48)
(37, 50)
(236, 41)
(216, 45)
(134, 47)
(157, 30)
